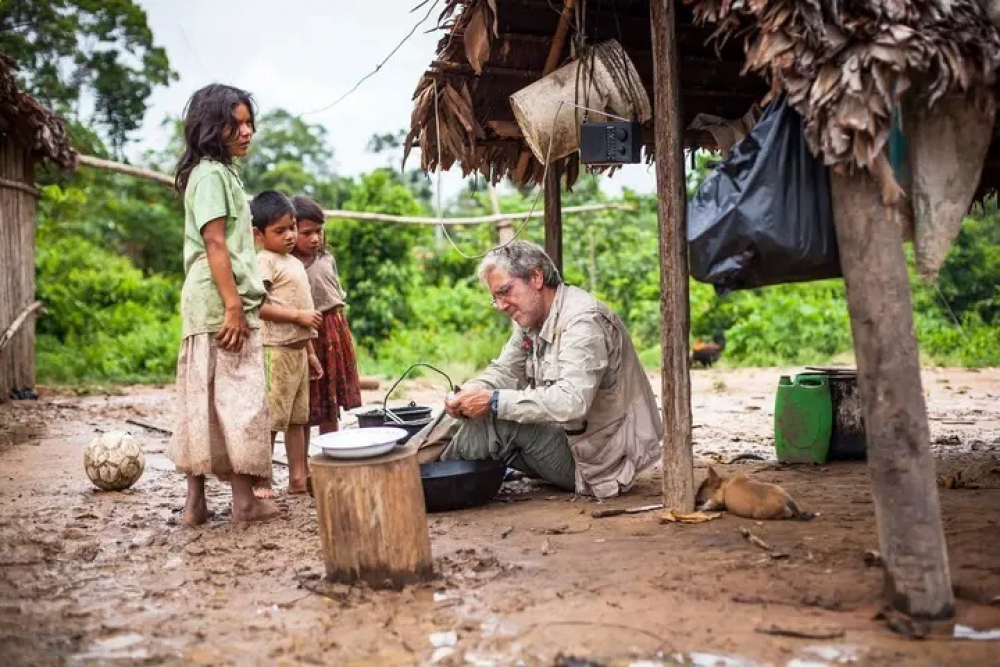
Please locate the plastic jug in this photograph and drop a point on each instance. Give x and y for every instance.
(803, 419)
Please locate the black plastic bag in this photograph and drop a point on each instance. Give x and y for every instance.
(764, 216)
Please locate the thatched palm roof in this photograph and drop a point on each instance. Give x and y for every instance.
(493, 48)
(30, 124)
(845, 64)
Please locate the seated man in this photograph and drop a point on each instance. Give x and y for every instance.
(568, 391)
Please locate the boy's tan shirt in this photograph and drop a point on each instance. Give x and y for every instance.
(287, 286)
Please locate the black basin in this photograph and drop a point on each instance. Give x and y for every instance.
(455, 485)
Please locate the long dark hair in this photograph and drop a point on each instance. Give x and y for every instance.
(207, 118)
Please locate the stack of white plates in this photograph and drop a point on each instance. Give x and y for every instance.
(359, 443)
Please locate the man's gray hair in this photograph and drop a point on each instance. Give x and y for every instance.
(520, 259)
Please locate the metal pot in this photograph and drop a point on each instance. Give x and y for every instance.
(848, 440)
(411, 412)
(412, 418)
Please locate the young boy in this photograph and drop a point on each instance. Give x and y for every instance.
(290, 324)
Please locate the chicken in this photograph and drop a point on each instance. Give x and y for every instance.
(707, 353)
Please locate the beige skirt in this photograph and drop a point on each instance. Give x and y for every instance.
(222, 415)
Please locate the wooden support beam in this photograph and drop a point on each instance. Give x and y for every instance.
(911, 538)
(127, 169)
(505, 229)
(139, 172)
(555, 50)
(498, 70)
(505, 128)
(553, 214)
(678, 461)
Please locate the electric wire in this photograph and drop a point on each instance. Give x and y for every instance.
(377, 67)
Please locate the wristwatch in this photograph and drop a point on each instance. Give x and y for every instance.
(495, 401)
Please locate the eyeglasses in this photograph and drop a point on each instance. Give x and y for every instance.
(502, 292)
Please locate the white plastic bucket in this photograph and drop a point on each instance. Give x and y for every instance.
(604, 80)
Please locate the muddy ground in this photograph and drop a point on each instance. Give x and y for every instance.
(90, 577)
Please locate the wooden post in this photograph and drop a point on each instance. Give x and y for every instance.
(372, 519)
(553, 214)
(671, 194)
(900, 462)
(505, 230)
(551, 60)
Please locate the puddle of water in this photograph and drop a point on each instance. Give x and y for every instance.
(120, 647)
(704, 659)
(158, 461)
(826, 655)
(498, 627)
(965, 632)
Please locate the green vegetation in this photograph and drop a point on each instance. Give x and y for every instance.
(109, 247)
(112, 301)
(87, 54)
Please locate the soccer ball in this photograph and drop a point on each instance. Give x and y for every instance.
(114, 461)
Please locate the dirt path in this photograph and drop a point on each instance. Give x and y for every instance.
(110, 578)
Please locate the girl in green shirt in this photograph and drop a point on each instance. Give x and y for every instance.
(222, 417)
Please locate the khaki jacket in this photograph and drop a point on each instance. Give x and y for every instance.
(581, 371)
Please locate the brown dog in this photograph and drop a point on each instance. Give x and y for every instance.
(741, 496)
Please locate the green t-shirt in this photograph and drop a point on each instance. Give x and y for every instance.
(215, 191)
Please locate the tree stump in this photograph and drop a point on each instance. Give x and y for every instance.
(900, 462)
(372, 519)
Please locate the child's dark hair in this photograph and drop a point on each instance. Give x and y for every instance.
(306, 208)
(268, 207)
(207, 117)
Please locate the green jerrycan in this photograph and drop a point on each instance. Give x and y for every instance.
(803, 419)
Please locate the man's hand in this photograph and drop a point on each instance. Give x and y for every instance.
(470, 403)
(309, 318)
(452, 405)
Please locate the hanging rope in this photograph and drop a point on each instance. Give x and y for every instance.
(534, 204)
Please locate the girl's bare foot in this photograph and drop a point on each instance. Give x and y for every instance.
(195, 506)
(264, 493)
(257, 510)
(195, 515)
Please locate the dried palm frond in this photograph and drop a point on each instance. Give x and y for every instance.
(27, 122)
(847, 65)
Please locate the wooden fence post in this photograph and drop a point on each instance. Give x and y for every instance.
(678, 463)
(553, 214)
(900, 461)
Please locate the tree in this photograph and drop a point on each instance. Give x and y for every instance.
(391, 145)
(376, 259)
(73, 51)
(387, 141)
(704, 162)
(294, 157)
(970, 278)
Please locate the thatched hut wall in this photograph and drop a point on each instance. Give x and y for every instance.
(29, 133)
(18, 202)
